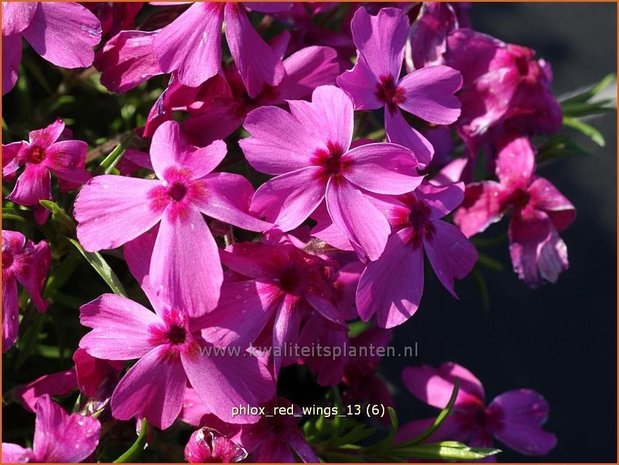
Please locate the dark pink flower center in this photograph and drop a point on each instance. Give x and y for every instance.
(389, 92)
(290, 280)
(419, 219)
(7, 259)
(176, 334)
(520, 198)
(36, 155)
(177, 191)
(331, 160)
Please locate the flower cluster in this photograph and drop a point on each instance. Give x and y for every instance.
(278, 192)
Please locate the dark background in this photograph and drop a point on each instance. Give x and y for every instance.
(561, 339)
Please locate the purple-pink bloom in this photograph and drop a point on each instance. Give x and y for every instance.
(190, 46)
(42, 155)
(26, 263)
(58, 437)
(207, 445)
(63, 33)
(374, 82)
(170, 354)
(318, 163)
(113, 210)
(286, 287)
(515, 417)
(539, 213)
(218, 107)
(59, 383)
(392, 286)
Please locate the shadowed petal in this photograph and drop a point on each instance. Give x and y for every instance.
(522, 413)
(391, 286)
(400, 132)
(33, 184)
(10, 312)
(153, 388)
(480, 208)
(257, 63)
(361, 85)
(11, 58)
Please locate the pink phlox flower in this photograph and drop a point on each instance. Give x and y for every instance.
(45, 153)
(515, 417)
(539, 213)
(374, 82)
(207, 445)
(62, 33)
(391, 287)
(113, 210)
(169, 356)
(218, 107)
(58, 436)
(190, 46)
(26, 263)
(283, 287)
(318, 164)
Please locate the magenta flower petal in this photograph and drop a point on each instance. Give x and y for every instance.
(208, 445)
(191, 44)
(324, 306)
(66, 160)
(391, 287)
(515, 163)
(522, 413)
(9, 162)
(10, 312)
(31, 272)
(13, 453)
(169, 149)
(64, 34)
(481, 207)
(289, 199)
(227, 197)
(329, 115)
(307, 69)
(55, 384)
(257, 63)
(224, 382)
(11, 58)
(16, 17)
(383, 169)
(46, 136)
(270, 149)
(185, 244)
(355, 215)
(538, 253)
(127, 60)
(91, 373)
(112, 210)
(468, 381)
(382, 51)
(286, 329)
(435, 386)
(52, 428)
(547, 197)
(120, 328)
(242, 312)
(33, 185)
(451, 255)
(400, 132)
(428, 94)
(327, 231)
(360, 83)
(159, 402)
(441, 200)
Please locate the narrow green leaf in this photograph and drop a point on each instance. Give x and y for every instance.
(586, 129)
(59, 215)
(446, 450)
(109, 163)
(488, 262)
(133, 453)
(100, 265)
